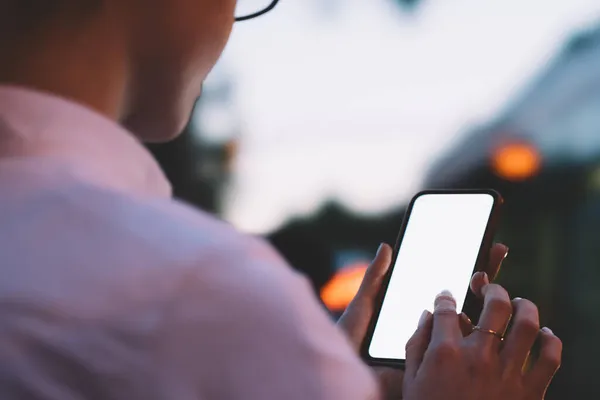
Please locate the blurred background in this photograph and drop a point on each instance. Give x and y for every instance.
(324, 117)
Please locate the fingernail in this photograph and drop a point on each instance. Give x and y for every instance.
(486, 278)
(445, 301)
(379, 249)
(547, 330)
(505, 254)
(517, 298)
(423, 319)
(466, 318)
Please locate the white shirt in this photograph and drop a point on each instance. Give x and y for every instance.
(112, 290)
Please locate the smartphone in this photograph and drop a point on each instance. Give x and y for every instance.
(445, 238)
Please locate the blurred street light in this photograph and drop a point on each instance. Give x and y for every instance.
(516, 161)
(342, 288)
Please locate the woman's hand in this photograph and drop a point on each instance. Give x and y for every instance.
(356, 318)
(442, 364)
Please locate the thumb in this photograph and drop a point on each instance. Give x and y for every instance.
(371, 283)
(417, 345)
(355, 320)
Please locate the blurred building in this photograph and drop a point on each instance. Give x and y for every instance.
(543, 154)
(558, 114)
(198, 163)
(216, 125)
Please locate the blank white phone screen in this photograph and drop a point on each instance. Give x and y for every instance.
(438, 252)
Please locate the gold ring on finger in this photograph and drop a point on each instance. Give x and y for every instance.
(488, 331)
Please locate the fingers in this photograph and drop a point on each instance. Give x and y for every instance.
(497, 310)
(356, 317)
(445, 320)
(523, 333)
(418, 343)
(371, 283)
(443, 350)
(498, 253)
(466, 325)
(478, 281)
(547, 364)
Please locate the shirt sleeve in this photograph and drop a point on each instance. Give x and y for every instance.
(251, 328)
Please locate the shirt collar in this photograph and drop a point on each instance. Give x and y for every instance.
(39, 124)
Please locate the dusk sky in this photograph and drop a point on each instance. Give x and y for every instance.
(352, 100)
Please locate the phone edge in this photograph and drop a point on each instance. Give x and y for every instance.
(482, 259)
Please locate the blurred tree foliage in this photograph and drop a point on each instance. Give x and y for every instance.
(179, 160)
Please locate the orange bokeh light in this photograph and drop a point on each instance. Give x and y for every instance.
(342, 288)
(517, 161)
